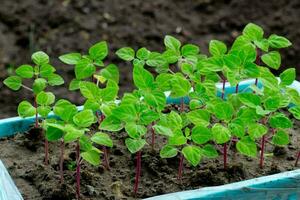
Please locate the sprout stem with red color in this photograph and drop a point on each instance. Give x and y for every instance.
(61, 163)
(137, 172)
(180, 169)
(78, 170)
(297, 160)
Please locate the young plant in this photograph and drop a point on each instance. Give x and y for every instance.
(99, 100)
(71, 127)
(42, 74)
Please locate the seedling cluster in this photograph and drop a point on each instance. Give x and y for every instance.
(209, 119)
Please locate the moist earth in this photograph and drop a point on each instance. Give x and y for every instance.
(61, 26)
(23, 155)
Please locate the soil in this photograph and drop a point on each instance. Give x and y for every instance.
(61, 26)
(23, 155)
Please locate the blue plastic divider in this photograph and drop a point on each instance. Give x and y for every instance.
(282, 186)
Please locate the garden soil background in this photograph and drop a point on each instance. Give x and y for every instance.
(61, 26)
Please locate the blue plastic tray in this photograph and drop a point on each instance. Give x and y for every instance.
(282, 186)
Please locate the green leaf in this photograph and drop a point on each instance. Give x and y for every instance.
(25, 71)
(111, 72)
(276, 41)
(272, 103)
(126, 113)
(172, 43)
(168, 151)
(279, 120)
(111, 123)
(237, 128)
(262, 44)
(90, 90)
(99, 51)
(92, 157)
(217, 48)
(13, 82)
(84, 69)
(272, 59)
(84, 118)
(55, 79)
(143, 53)
(261, 111)
(288, 76)
(189, 49)
(148, 116)
(53, 133)
(209, 151)
(247, 147)
(223, 111)
(192, 154)
(39, 85)
(180, 86)
(46, 70)
(155, 99)
(295, 111)
(44, 110)
(126, 53)
(253, 32)
(102, 139)
(134, 145)
(70, 58)
(72, 133)
(65, 110)
(142, 78)
(170, 56)
(74, 84)
(45, 98)
(134, 130)
(249, 99)
(178, 139)
(110, 92)
(199, 117)
(25, 109)
(40, 58)
(201, 134)
(220, 133)
(162, 130)
(155, 59)
(256, 131)
(281, 138)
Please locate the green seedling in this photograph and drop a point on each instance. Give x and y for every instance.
(41, 75)
(86, 67)
(71, 127)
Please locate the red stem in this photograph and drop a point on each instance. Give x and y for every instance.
(262, 149)
(182, 104)
(46, 152)
(61, 163)
(180, 168)
(106, 163)
(237, 88)
(225, 155)
(297, 160)
(152, 136)
(36, 113)
(78, 170)
(138, 172)
(223, 88)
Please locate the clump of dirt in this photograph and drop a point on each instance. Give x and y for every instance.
(159, 176)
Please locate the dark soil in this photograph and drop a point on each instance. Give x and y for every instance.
(61, 26)
(23, 156)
